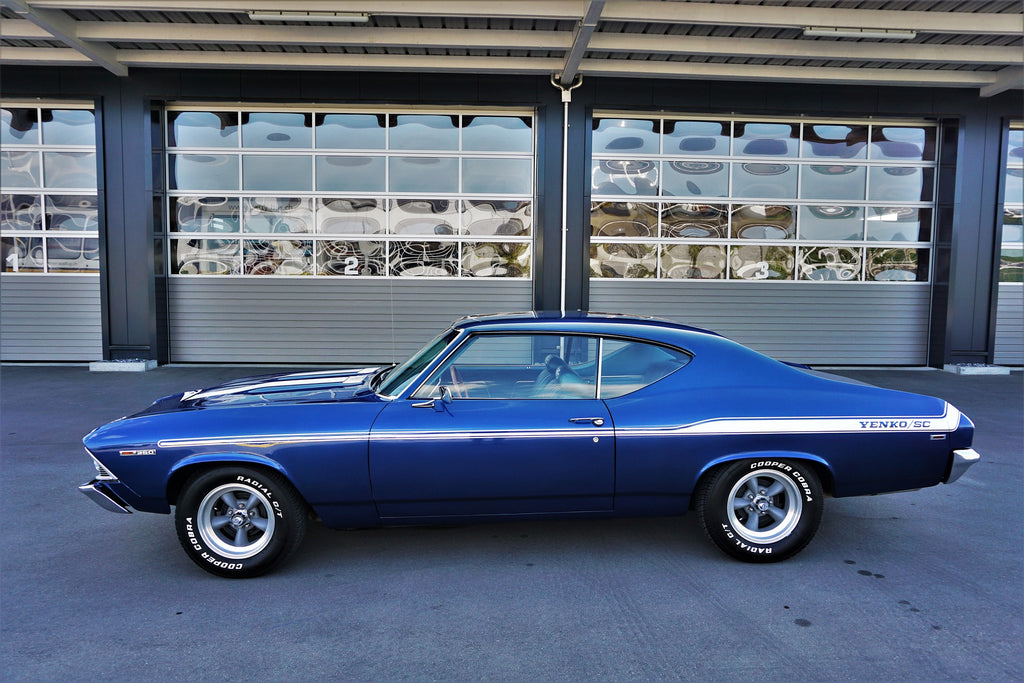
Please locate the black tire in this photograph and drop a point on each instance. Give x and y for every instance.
(239, 522)
(760, 510)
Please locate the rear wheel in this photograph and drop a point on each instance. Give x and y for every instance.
(239, 522)
(760, 510)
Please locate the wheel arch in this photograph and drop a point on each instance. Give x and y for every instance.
(184, 469)
(822, 469)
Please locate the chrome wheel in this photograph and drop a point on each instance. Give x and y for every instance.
(764, 506)
(236, 521)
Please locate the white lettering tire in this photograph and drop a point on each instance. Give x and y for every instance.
(760, 510)
(239, 522)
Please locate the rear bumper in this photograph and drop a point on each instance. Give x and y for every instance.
(960, 462)
(99, 492)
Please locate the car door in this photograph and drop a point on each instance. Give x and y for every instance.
(509, 424)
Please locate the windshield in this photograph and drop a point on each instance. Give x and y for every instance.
(400, 377)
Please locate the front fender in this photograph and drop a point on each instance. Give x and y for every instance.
(180, 471)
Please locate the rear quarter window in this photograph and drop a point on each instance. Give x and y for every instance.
(628, 366)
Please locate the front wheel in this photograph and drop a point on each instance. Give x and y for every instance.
(760, 510)
(239, 522)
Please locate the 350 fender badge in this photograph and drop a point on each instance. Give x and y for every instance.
(147, 451)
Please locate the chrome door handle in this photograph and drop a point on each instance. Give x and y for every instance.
(596, 421)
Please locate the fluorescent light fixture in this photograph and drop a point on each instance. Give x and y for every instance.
(879, 33)
(319, 17)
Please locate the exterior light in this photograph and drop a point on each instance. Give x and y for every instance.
(319, 17)
(879, 33)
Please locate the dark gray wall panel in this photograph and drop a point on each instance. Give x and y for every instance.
(50, 318)
(327, 321)
(1009, 349)
(815, 323)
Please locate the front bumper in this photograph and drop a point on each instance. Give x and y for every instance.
(99, 491)
(960, 462)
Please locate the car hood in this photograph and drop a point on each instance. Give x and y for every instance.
(298, 387)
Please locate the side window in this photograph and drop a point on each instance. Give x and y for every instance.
(526, 366)
(627, 366)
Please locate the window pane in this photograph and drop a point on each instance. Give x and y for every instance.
(202, 129)
(496, 259)
(265, 172)
(69, 169)
(278, 215)
(832, 182)
(497, 176)
(73, 255)
(826, 223)
(1014, 191)
(277, 257)
(347, 258)
(204, 214)
(749, 262)
(695, 221)
(691, 261)
(627, 366)
(901, 183)
(697, 138)
(625, 177)
(19, 126)
(835, 140)
(72, 212)
(19, 169)
(21, 212)
(423, 131)
(69, 127)
(899, 224)
(497, 134)
(624, 260)
(423, 217)
(764, 180)
(342, 216)
(764, 222)
(203, 172)
(908, 143)
(424, 174)
(631, 136)
(1013, 225)
(22, 254)
(424, 259)
(623, 219)
(897, 264)
(696, 179)
(766, 139)
(351, 174)
(277, 129)
(830, 263)
(350, 131)
(1011, 264)
(496, 217)
(1015, 144)
(205, 257)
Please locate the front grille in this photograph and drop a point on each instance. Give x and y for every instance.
(101, 471)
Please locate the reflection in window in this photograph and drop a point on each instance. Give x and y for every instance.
(831, 222)
(835, 140)
(199, 172)
(625, 177)
(202, 129)
(910, 143)
(350, 131)
(345, 216)
(72, 212)
(204, 214)
(692, 261)
(497, 134)
(350, 174)
(424, 259)
(617, 260)
(423, 216)
(423, 174)
(22, 254)
(277, 129)
(626, 136)
(696, 179)
(339, 257)
(763, 222)
(205, 257)
(20, 169)
(766, 139)
(695, 221)
(899, 224)
(277, 257)
(697, 138)
(69, 127)
(433, 132)
(278, 215)
(72, 255)
(764, 180)
(628, 366)
(833, 181)
(897, 264)
(69, 169)
(20, 212)
(495, 217)
(901, 183)
(19, 126)
(277, 173)
(623, 219)
(830, 263)
(496, 259)
(749, 262)
(1011, 253)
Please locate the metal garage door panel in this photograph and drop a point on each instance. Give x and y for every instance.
(50, 317)
(1010, 324)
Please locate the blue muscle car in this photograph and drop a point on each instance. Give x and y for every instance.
(525, 415)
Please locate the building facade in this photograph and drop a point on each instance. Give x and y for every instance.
(344, 216)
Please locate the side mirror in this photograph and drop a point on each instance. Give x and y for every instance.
(446, 395)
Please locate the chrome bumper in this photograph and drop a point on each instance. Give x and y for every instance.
(962, 460)
(99, 492)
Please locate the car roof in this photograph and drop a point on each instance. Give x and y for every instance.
(581, 320)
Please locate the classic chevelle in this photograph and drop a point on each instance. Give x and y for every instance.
(525, 415)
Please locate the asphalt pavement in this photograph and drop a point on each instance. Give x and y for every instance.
(922, 585)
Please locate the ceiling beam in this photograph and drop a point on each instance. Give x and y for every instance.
(1010, 78)
(580, 40)
(796, 17)
(61, 27)
(709, 46)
